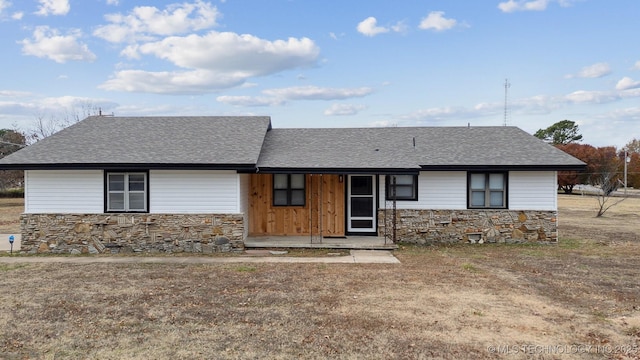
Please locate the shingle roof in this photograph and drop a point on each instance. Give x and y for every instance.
(161, 141)
(243, 142)
(393, 148)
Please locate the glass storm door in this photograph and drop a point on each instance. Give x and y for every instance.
(361, 204)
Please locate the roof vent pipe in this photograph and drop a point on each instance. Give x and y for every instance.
(414, 142)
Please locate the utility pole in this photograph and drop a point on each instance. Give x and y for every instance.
(626, 160)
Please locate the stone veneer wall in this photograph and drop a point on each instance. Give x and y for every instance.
(471, 226)
(127, 233)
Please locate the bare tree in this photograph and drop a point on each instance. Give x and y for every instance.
(44, 126)
(11, 140)
(607, 179)
(605, 200)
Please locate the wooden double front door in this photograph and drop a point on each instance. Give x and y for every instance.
(334, 205)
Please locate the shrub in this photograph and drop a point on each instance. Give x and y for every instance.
(12, 193)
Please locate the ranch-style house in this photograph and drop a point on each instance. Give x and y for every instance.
(205, 184)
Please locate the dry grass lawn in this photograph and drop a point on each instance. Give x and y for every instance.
(10, 210)
(465, 301)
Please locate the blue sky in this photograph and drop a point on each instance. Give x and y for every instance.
(328, 63)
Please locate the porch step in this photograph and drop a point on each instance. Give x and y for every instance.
(304, 242)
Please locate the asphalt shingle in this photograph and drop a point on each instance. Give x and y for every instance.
(248, 141)
(180, 140)
(386, 148)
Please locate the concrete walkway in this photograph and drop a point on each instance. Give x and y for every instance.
(355, 257)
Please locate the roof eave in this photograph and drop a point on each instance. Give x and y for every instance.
(553, 167)
(336, 170)
(128, 166)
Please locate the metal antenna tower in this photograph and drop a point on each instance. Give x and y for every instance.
(507, 85)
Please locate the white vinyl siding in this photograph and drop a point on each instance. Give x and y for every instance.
(442, 190)
(437, 190)
(64, 191)
(193, 191)
(533, 190)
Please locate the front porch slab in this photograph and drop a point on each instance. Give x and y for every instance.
(348, 242)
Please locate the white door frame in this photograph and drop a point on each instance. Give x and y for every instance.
(373, 216)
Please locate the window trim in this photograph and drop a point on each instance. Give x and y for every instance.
(487, 199)
(289, 191)
(145, 173)
(414, 185)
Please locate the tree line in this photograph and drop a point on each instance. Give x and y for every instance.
(605, 164)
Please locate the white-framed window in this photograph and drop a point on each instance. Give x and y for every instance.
(405, 187)
(126, 191)
(288, 189)
(487, 190)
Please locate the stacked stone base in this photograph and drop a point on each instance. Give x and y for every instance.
(470, 226)
(209, 233)
(130, 233)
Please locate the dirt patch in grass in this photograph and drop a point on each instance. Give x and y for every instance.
(577, 299)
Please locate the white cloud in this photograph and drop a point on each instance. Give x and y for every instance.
(53, 7)
(531, 5)
(171, 82)
(250, 100)
(14, 93)
(241, 55)
(282, 95)
(113, 2)
(437, 22)
(148, 22)
(383, 123)
(567, 3)
(343, 109)
(4, 4)
(592, 71)
(623, 114)
(437, 113)
(400, 27)
(630, 93)
(513, 5)
(49, 43)
(483, 112)
(636, 66)
(336, 36)
(627, 83)
(70, 102)
(592, 97)
(213, 61)
(317, 93)
(369, 27)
